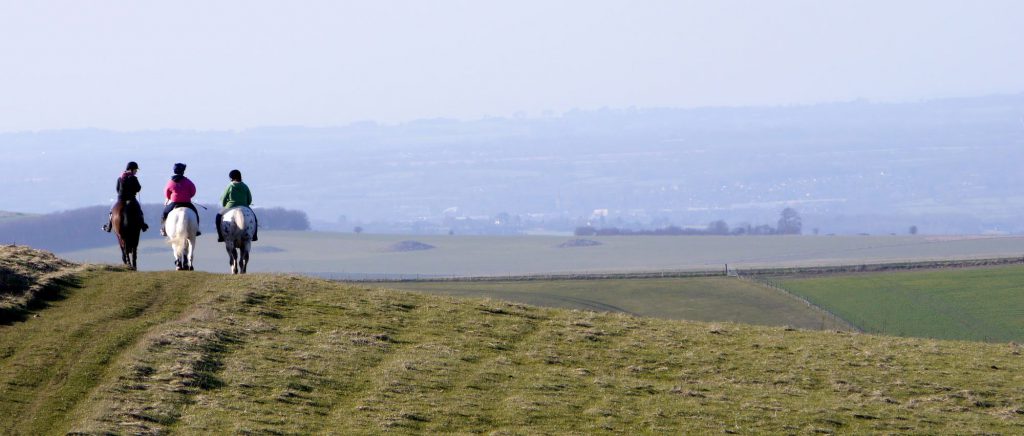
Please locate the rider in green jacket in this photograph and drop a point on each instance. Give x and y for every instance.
(236, 194)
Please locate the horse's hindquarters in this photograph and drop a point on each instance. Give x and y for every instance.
(127, 228)
(238, 225)
(181, 227)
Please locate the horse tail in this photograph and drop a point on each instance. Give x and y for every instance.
(184, 230)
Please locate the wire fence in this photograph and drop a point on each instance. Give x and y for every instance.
(582, 275)
(776, 285)
(682, 273)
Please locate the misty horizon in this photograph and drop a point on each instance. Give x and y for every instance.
(521, 115)
(413, 114)
(233, 65)
(946, 166)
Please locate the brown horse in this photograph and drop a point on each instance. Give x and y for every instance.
(127, 228)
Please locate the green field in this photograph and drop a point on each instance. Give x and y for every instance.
(695, 299)
(984, 304)
(350, 254)
(196, 353)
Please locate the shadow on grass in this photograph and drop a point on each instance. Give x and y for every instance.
(42, 297)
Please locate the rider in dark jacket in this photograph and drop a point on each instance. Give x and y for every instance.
(127, 187)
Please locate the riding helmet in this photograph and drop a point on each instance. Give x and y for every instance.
(179, 168)
(235, 175)
(132, 166)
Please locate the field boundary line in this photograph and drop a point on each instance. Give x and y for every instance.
(398, 278)
(883, 267)
(749, 272)
(778, 287)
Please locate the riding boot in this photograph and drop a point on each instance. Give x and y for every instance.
(217, 220)
(163, 232)
(198, 232)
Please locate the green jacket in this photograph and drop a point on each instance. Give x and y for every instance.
(237, 194)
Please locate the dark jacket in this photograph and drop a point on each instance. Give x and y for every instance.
(127, 186)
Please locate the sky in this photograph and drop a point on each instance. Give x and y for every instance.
(216, 65)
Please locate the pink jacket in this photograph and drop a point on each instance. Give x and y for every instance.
(180, 192)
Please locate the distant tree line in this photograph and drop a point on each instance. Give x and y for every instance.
(789, 224)
(79, 229)
(279, 218)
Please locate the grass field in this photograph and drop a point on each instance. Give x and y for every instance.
(353, 255)
(198, 353)
(695, 299)
(973, 304)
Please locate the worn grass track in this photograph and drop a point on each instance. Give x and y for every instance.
(198, 353)
(49, 363)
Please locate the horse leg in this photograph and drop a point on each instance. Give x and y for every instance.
(244, 256)
(179, 252)
(185, 264)
(232, 258)
(191, 246)
(248, 250)
(135, 259)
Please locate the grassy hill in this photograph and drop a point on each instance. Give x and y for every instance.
(27, 276)
(195, 353)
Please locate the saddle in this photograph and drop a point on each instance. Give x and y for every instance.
(131, 211)
(186, 206)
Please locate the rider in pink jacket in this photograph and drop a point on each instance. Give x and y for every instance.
(179, 193)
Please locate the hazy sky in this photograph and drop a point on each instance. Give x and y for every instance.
(129, 65)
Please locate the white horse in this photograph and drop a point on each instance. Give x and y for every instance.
(181, 226)
(238, 225)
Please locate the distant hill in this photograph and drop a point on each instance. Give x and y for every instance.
(945, 166)
(80, 228)
(199, 353)
(6, 216)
